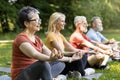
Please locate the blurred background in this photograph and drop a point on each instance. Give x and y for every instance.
(107, 10)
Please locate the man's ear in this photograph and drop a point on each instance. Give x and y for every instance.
(76, 24)
(93, 24)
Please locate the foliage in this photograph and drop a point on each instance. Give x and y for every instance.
(108, 10)
(8, 15)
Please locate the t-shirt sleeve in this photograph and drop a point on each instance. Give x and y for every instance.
(102, 37)
(79, 40)
(63, 38)
(51, 37)
(76, 40)
(20, 39)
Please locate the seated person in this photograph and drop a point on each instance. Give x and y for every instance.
(95, 35)
(56, 40)
(80, 41)
(29, 55)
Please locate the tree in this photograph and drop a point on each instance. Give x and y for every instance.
(6, 11)
(108, 10)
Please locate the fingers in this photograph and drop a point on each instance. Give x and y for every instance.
(56, 54)
(76, 56)
(53, 52)
(60, 55)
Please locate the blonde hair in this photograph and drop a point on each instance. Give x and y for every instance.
(53, 18)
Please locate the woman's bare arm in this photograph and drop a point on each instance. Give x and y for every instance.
(30, 51)
(56, 45)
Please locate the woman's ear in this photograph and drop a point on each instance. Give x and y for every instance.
(26, 23)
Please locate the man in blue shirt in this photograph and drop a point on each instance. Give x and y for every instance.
(94, 32)
(95, 35)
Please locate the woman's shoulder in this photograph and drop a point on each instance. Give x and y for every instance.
(50, 34)
(21, 36)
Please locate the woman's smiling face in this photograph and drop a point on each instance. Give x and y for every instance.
(60, 23)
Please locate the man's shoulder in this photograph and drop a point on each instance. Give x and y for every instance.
(90, 32)
(76, 35)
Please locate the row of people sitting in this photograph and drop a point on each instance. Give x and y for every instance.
(33, 60)
(97, 54)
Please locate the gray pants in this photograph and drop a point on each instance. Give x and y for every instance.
(42, 70)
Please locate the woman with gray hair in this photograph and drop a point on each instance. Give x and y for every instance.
(29, 55)
(56, 40)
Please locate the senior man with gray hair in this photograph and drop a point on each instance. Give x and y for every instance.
(81, 19)
(80, 41)
(95, 35)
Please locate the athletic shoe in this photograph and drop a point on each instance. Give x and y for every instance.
(61, 77)
(89, 71)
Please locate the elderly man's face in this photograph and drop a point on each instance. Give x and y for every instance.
(98, 25)
(84, 26)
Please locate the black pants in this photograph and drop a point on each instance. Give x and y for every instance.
(78, 65)
(41, 70)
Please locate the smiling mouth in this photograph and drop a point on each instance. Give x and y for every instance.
(39, 27)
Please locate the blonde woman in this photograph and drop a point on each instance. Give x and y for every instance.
(56, 40)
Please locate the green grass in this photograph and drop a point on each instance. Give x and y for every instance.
(6, 52)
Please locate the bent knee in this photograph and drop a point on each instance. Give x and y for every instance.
(100, 56)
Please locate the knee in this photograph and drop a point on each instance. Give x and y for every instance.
(100, 56)
(46, 65)
(61, 64)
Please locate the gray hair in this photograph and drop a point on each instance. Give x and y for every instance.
(79, 19)
(25, 14)
(94, 18)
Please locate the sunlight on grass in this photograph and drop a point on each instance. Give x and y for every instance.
(115, 67)
(2, 45)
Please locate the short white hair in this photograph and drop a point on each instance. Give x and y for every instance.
(79, 19)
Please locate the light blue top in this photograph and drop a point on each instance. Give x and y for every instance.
(96, 36)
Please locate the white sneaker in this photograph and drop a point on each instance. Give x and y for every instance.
(89, 71)
(61, 77)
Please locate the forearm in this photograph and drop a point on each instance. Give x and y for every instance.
(66, 59)
(104, 47)
(72, 52)
(41, 57)
(68, 53)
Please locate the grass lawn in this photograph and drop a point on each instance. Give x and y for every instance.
(112, 74)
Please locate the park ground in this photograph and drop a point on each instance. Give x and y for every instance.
(6, 52)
